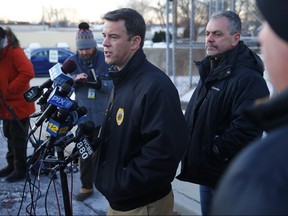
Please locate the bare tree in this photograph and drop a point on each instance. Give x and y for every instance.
(155, 13)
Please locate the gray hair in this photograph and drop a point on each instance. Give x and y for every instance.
(233, 18)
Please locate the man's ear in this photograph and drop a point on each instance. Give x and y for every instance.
(236, 39)
(136, 40)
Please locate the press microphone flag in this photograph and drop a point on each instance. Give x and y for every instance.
(82, 141)
(57, 76)
(59, 100)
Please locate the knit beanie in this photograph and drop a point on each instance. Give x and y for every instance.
(275, 13)
(84, 37)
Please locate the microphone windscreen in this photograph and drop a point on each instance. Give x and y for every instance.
(64, 89)
(70, 81)
(82, 111)
(87, 127)
(69, 66)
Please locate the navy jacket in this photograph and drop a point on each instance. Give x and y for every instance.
(143, 137)
(256, 181)
(217, 127)
(95, 99)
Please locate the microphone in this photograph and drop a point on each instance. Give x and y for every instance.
(84, 129)
(57, 127)
(63, 121)
(82, 139)
(64, 90)
(57, 75)
(62, 101)
(66, 140)
(77, 116)
(74, 118)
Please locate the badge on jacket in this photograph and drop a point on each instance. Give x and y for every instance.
(91, 93)
(120, 116)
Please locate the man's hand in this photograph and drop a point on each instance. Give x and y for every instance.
(81, 78)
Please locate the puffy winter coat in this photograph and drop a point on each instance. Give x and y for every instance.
(16, 71)
(217, 127)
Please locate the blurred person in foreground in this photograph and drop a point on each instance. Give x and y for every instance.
(231, 79)
(91, 92)
(256, 183)
(16, 73)
(144, 133)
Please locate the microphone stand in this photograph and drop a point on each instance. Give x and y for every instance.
(63, 176)
(64, 182)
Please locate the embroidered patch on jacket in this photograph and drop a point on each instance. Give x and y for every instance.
(120, 116)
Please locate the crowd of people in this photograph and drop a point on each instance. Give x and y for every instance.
(141, 134)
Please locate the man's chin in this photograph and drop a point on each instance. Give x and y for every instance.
(211, 52)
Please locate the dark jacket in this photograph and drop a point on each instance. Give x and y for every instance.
(143, 138)
(217, 127)
(256, 182)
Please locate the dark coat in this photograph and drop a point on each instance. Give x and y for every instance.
(217, 127)
(143, 138)
(256, 183)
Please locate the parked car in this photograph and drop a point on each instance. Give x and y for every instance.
(45, 58)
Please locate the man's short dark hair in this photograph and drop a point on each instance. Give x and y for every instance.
(134, 22)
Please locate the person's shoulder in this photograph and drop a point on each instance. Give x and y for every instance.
(18, 54)
(17, 49)
(154, 71)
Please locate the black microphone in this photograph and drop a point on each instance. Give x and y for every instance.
(58, 126)
(84, 129)
(63, 91)
(82, 111)
(82, 143)
(65, 141)
(72, 119)
(35, 92)
(77, 115)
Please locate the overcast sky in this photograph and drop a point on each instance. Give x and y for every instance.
(74, 10)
